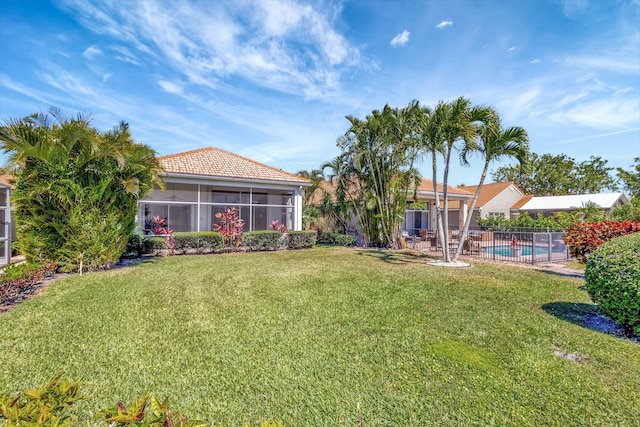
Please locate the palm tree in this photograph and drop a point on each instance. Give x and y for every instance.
(493, 144)
(315, 176)
(448, 124)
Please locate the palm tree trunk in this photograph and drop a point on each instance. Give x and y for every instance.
(467, 222)
(438, 213)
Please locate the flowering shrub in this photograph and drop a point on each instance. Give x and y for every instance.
(160, 227)
(230, 226)
(583, 238)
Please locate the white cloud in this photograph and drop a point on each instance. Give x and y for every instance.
(287, 46)
(604, 113)
(444, 24)
(91, 51)
(401, 39)
(535, 61)
(106, 77)
(170, 87)
(511, 49)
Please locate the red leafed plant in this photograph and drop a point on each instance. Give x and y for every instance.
(583, 238)
(160, 228)
(231, 227)
(279, 227)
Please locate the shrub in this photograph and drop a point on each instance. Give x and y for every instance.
(48, 406)
(17, 276)
(45, 406)
(613, 280)
(199, 240)
(266, 240)
(302, 239)
(583, 238)
(147, 411)
(137, 246)
(230, 226)
(337, 239)
(156, 243)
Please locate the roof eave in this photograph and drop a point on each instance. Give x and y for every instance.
(234, 179)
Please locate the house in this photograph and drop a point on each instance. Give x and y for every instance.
(495, 199)
(425, 218)
(548, 205)
(201, 183)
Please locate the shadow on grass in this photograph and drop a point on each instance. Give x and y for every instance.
(587, 316)
(397, 256)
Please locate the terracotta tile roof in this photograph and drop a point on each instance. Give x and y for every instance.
(520, 203)
(489, 191)
(427, 186)
(220, 163)
(7, 180)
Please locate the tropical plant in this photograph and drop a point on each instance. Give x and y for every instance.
(46, 406)
(376, 171)
(442, 130)
(147, 411)
(493, 144)
(231, 227)
(77, 189)
(315, 176)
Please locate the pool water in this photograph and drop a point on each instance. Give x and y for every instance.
(505, 250)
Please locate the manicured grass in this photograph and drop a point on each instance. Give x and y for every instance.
(313, 337)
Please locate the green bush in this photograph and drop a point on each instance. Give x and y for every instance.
(137, 246)
(338, 239)
(613, 280)
(45, 406)
(301, 239)
(156, 243)
(201, 241)
(265, 240)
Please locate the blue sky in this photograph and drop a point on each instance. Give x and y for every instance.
(274, 80)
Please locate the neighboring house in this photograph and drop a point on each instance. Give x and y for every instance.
(416, 220)
(495, 199)
(201, 183)
(548, 205)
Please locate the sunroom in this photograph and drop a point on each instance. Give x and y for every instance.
(201, 183)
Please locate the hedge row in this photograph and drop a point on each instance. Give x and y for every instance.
(211, 241)
(613, 280)
(302, 239)
(583, 238)
(338, 239)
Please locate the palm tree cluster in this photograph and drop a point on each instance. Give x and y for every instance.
(76, 189)
(376, 174)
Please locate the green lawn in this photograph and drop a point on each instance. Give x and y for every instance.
(309, 337)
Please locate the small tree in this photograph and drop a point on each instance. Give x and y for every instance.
(231, 227)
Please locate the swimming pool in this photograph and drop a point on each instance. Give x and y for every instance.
(505, 250)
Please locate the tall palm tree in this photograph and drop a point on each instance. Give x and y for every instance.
(494, 143)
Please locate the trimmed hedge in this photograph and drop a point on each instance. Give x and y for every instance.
(613, 280)
(338, 239)
(583, 238)
(302, 239)
(201, 241)
(264, 240)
